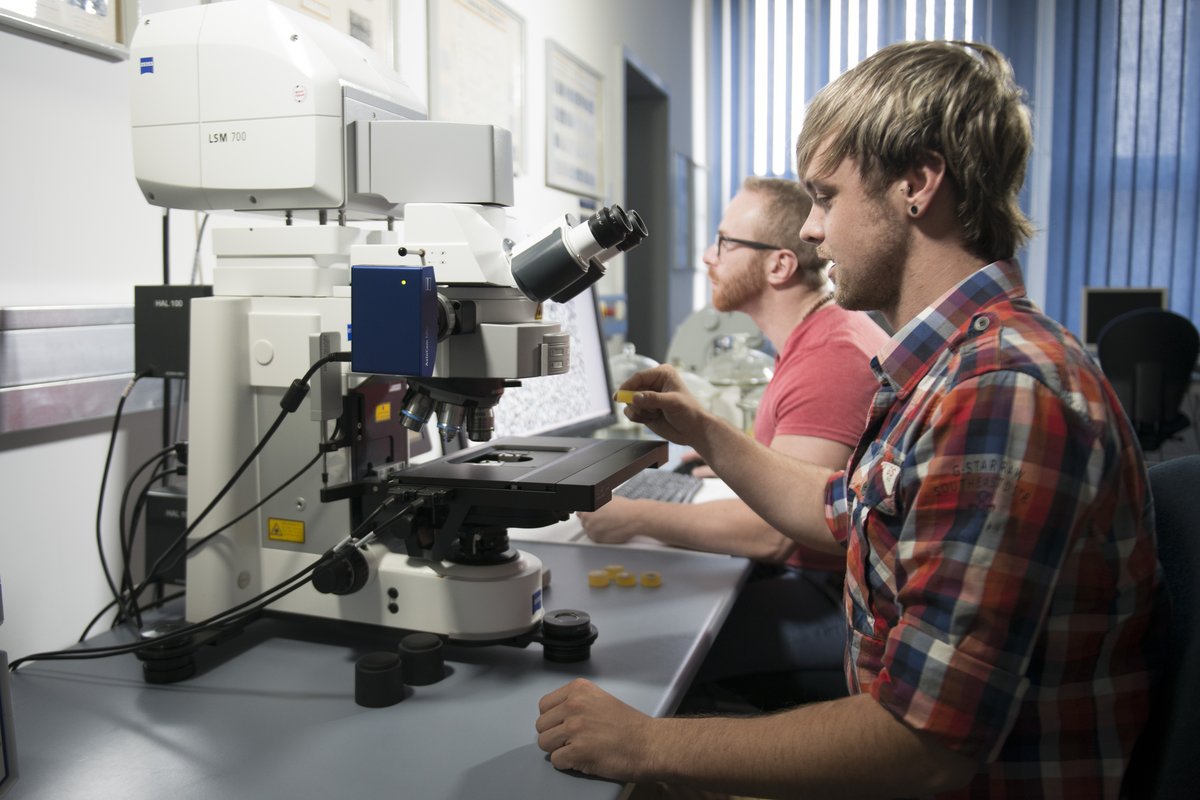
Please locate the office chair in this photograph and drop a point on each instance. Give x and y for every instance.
(1164, 763)
(1148, 356)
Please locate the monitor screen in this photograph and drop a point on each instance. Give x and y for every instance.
(1102, 304)
(574, 404)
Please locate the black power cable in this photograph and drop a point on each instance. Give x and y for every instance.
(126, 560)
(291, 401)
(153, 461)
(112, 442)
(129, 534)
(194, 546)
(229, 615)
(238, 613)
(141, 587)
(153, 573)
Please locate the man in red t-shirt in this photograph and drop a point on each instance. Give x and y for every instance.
(789, 616)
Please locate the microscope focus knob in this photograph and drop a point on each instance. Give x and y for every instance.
(346, 573)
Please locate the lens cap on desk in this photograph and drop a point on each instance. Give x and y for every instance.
(378, 681)
(423, 660)
(567, 635)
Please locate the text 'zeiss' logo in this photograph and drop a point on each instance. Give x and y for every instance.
(146, 65)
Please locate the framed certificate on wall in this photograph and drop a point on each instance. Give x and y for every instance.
(574, 124)
(369, 21)
(95, 27)
(477, 67)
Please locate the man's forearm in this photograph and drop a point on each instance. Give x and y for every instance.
(814, 751)
(719, 526)
(788, 494)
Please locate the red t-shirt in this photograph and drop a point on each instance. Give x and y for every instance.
(822, 387)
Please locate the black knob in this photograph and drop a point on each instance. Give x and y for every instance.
(172, 658)
(345, 573)
(421, 654)
(378, 681)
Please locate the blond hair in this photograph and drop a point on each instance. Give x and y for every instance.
(958, 99)
(782, 217)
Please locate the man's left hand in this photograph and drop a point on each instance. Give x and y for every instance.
(615, 522)
(586, 729)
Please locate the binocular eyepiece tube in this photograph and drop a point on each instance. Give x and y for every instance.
(570, 258)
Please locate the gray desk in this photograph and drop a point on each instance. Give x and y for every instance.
(278, 719)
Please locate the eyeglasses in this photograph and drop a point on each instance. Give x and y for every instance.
(753, 245)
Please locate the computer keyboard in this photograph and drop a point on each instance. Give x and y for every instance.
(658, 484)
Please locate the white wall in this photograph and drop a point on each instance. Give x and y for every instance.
(656, 36)
(75, 230)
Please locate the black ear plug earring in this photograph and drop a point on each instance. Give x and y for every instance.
(913, 210)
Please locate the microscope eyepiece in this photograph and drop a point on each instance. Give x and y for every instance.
(609, 226)
(637, 232)
(554, 266)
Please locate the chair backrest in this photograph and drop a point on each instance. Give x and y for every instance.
(1166, 763)
(1148, 356)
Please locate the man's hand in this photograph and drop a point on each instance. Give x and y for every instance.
(810, 751)
(701, 470)
(614, 523)
(663, 404)
(586, 729)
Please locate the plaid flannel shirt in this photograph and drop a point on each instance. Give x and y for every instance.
(1001, 562)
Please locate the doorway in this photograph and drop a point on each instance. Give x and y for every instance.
(647, 189)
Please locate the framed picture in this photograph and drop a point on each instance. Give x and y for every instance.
(96, 27)
(369, 21)
(574, 124)
(477, 67)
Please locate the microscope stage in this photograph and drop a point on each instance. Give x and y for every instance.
(546, 472)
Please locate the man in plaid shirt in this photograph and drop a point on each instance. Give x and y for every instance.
(995, 516)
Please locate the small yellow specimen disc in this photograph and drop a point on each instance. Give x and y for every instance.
(626, 579)
(624, 396)
(651, 580)
(598, 578)
(614, 569)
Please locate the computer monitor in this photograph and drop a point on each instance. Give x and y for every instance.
(1103, 304)
(575, 404)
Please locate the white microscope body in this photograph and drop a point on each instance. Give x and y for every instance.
(246, 105)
